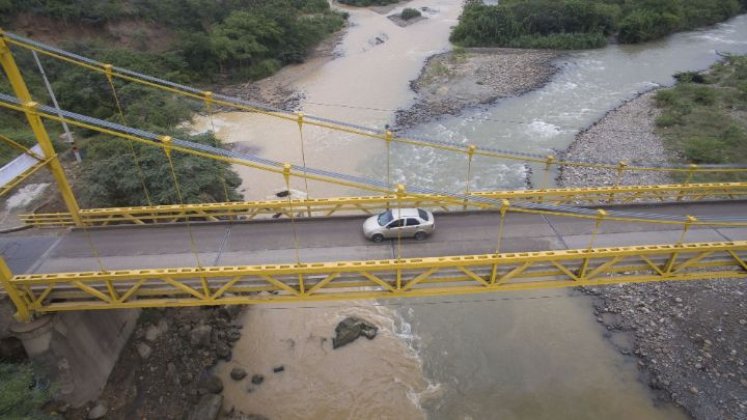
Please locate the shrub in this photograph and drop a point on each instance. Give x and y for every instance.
(526, 22)
(21, 395)
(409, 13)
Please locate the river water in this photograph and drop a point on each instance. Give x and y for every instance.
(521, 355)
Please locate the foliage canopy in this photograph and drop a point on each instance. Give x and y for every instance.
(704, 116)
(574, 24)
(240, 40)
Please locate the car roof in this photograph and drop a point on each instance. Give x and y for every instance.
(410, 212)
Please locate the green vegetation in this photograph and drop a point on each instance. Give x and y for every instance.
(576, 24)
(408, 13)
(198, 42)
(20, 396)
(364, 3)
(704, 117)
(110, 177)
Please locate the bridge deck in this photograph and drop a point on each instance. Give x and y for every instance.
(339, 239)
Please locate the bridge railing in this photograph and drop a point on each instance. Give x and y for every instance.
(323, 207)
(377, 279)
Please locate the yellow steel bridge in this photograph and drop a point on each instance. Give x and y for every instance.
(393, 277)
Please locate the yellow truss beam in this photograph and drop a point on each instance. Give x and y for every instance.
(376, 279)
(322, 207)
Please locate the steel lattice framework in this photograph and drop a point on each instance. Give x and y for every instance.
(324, 207)
(375, 279)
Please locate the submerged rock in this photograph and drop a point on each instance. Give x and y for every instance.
(349, 329)
(238, 374)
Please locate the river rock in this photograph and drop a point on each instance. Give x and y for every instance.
(200, 335)
(98, 411)
(238, 373)
(144, 350)
(349, 329)
(154, 331)
(257, 379)
(223, 351)
(233, 335)
(207, 408)
(211, 384)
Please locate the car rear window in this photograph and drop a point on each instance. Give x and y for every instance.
(423, 214)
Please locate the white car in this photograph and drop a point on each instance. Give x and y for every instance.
(399, 223)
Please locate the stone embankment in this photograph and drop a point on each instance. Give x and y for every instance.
(625, 134)
(689, 337)
(166, 369)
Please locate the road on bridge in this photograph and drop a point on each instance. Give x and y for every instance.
(340, 238)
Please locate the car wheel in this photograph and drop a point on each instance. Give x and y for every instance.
(377, 238)
(420, 236)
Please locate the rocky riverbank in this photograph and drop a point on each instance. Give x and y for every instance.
(166, 369)
(453, 81)
(689, 337)
(624, 134)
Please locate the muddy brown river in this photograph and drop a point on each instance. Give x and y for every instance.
(538, 355)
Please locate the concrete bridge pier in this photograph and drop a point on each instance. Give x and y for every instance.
(76, 351)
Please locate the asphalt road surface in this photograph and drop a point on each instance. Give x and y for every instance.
(337, 239)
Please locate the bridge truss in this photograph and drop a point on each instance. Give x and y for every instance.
(380, 279)
(374, 279)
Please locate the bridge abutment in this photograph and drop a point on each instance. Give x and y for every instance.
(76, 351)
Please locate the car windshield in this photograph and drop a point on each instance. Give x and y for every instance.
(385, 218)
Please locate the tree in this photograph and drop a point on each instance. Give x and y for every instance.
(111, 178)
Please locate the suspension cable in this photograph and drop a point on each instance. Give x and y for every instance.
(350, 180)
(345, 127)
(208, 109)
(135, 157)
(166, 140)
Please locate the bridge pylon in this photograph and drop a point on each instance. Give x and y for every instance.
(21, 91)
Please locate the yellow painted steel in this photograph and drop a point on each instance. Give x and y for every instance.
(37, 126)
(323, 207)
(387, 136)
(377, 279)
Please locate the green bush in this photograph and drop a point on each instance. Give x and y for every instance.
(111, 178)
(21, 395)
(236, 40)
(409, 13)
(365, 3)
(528, 22)
(560, 41)
(699, 122)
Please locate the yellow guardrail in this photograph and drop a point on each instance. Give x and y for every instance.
(322, 207)
(378, 279)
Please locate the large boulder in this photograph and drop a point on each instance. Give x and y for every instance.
(210, 383)
(144, 350)
(349, 329)
(98, 411)
(238, 373)
(207, 408)
(200, 335)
